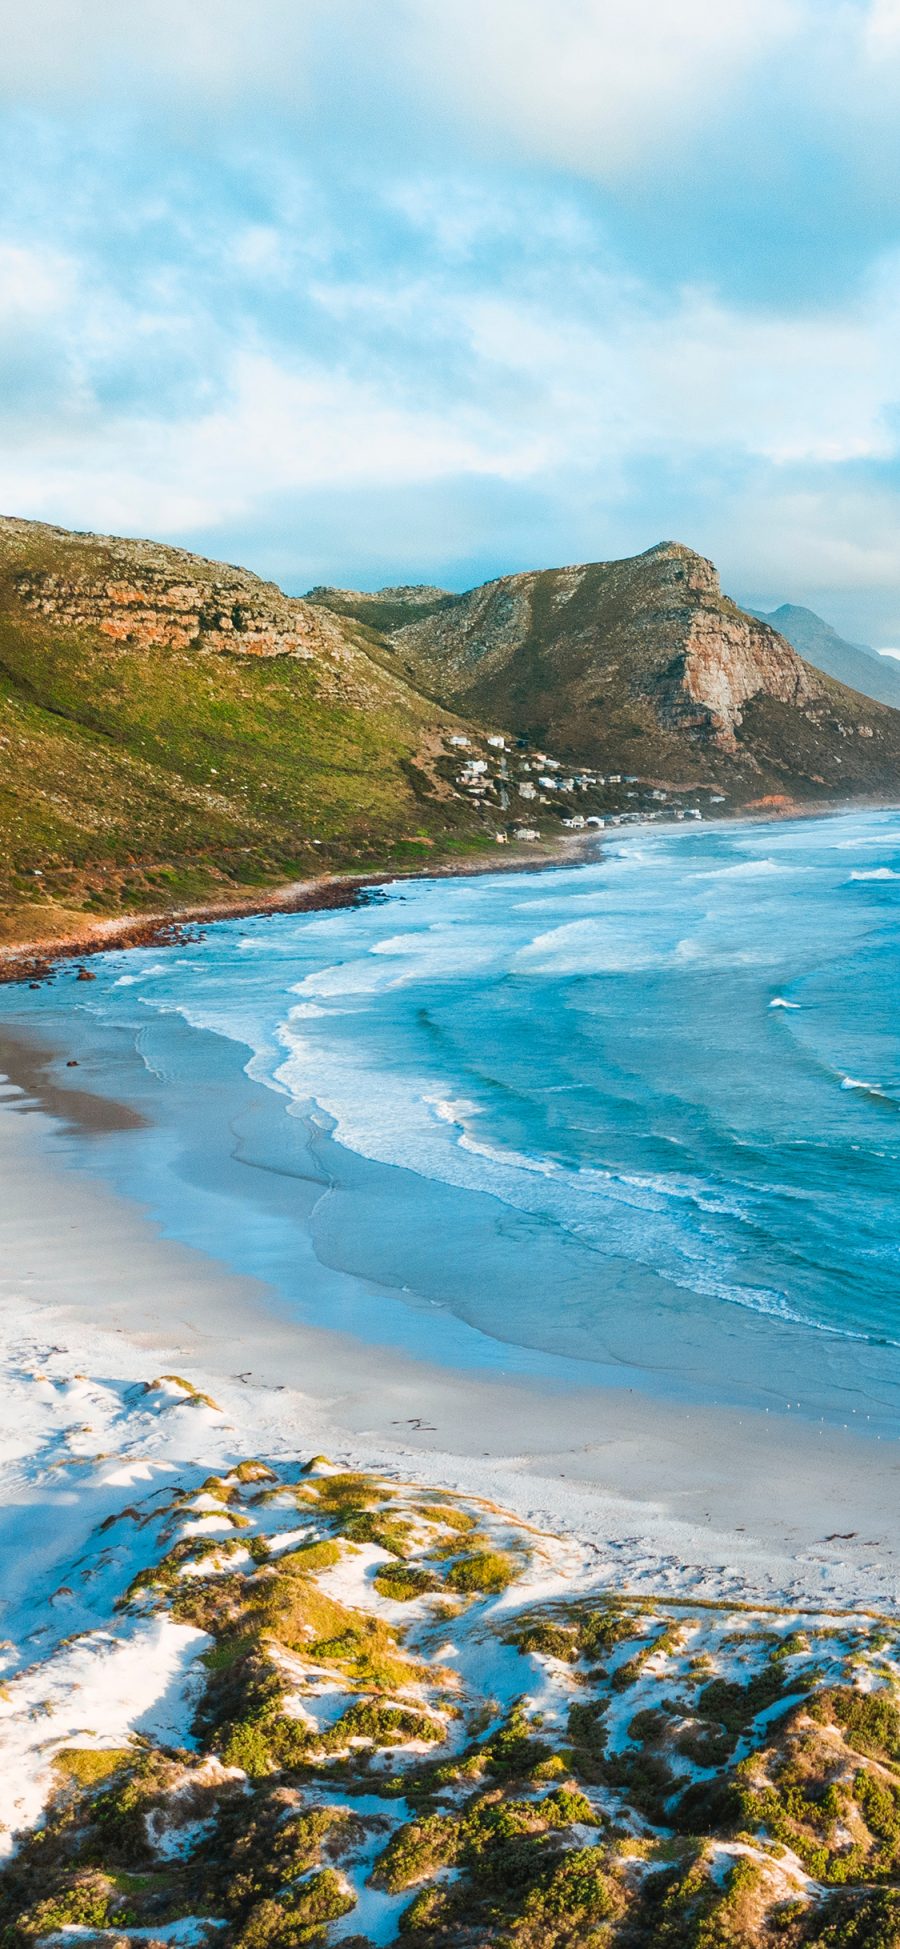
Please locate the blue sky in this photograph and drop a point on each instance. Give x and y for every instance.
(435, 289)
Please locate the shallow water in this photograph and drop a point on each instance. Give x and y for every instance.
(635, 1119)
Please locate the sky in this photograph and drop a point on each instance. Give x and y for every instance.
(434, 290)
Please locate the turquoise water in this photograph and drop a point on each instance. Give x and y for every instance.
(633, 1120)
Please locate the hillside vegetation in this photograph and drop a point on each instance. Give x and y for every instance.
(172, 731)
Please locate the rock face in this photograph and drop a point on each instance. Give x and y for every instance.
(143, 595)
(727, 657)
(643, 665)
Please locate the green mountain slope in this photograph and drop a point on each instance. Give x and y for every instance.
(172, 730)
(643, 666)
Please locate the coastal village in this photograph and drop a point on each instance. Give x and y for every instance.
(524, 794)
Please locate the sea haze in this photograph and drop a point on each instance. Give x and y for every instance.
(634, 1120)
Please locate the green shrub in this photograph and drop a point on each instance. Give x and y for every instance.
(84, 1904)
(870, 1721)
(566, 1807)
(579, 1892)
(485, 1572)
(404, 1581)
(416, 1851)
(514, 1752)
(551, 1640)
(385, 1725)
(88, 1765)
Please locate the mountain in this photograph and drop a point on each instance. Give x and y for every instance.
(642, 665)
(851, 663)
(176, 733)
(174, 730)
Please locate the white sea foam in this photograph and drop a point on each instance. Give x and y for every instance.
(860, 840)
(748, 869)
(773, 1305)
(779, 1002)
(877, 873)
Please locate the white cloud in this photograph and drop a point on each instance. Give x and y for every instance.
(700, 374)
(881, 31)
(843, 537)
(277, 432)
(593, 84)
(35, 284)
(207, 50)
(416, 384)
(601, 87)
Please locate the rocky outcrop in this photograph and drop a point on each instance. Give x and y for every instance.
(143, 595)
(725, 656)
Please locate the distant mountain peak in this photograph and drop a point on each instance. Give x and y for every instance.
(853, 664)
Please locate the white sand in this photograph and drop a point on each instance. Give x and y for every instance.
(652, 1495)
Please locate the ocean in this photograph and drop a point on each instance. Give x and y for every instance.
(632, 1121)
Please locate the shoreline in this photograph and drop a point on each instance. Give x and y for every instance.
(699, 1501)
(35, 959)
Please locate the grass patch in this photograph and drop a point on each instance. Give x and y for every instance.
(485, 1573)
(88, 1765)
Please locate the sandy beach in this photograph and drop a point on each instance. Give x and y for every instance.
(656, 1496)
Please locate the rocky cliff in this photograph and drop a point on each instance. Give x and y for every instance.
(659, 620)
(145, 595)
